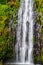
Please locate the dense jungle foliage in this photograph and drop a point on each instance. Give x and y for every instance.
(38, 38)
(8, 17)
(8, 23)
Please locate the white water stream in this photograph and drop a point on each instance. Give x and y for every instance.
(24, 45)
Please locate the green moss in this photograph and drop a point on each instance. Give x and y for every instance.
(1, 63)
(7, 12)
(42, 54)
(35, 59)
(38, 5)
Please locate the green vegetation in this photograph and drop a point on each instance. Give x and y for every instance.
(8, 11)
(39, 19)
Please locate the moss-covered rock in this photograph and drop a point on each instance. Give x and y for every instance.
(8, 16)
(39, 34)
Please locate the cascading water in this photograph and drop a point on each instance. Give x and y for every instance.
(24, 45)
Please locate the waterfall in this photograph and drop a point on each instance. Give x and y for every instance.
(24, 45)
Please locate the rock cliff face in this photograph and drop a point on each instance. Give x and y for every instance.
(37, 42)
(38, 39)
(38, 32)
